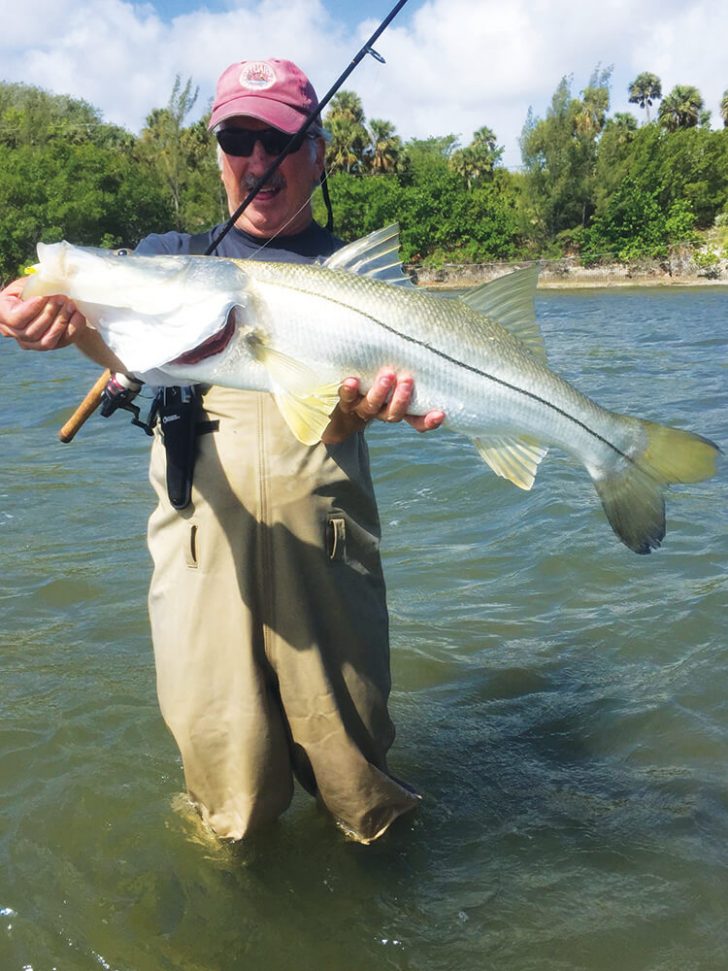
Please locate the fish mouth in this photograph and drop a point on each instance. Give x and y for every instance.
(210, 347)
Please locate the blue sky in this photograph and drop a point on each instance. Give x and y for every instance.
(350, 12)
(452, 66)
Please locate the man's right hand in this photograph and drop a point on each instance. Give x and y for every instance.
(41, 323)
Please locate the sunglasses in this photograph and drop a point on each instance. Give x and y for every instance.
(240, 142)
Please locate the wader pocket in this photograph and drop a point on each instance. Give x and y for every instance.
(191, 547)
(336, 537)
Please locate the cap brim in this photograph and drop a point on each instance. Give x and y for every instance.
(274, 113)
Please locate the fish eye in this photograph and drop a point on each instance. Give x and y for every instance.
(121, 252)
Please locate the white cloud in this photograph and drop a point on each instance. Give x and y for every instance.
(452, 65)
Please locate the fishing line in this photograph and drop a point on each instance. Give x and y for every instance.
(295, 139)
(272, 239)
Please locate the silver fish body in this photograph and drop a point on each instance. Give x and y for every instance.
(297, 330)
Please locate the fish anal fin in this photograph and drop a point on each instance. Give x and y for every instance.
(509, 299)
(304, 401)
(513, 458)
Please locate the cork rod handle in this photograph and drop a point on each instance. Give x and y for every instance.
(84, 411)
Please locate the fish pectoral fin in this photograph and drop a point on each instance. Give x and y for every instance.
(516, 459)
(305, 403)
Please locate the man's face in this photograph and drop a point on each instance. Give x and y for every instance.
(283, 205)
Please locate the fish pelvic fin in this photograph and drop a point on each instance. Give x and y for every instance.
(303, 400)
(515, 459)
(633, 493)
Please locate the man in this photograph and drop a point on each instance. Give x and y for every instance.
(267, 600)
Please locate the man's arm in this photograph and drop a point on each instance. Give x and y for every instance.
(48, 323)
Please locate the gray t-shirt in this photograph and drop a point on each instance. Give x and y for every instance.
(305, 247)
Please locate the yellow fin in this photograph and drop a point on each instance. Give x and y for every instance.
(305, 403)
(515, 459)
(632, 493)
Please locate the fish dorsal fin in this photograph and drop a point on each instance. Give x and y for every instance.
(509, 300)
(375, 255)
(516, 459)
(305, 403)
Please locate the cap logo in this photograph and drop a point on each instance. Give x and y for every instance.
(257, 76)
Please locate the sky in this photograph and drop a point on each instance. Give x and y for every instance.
(451, 67)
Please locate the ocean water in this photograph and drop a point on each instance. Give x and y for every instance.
(560, 702)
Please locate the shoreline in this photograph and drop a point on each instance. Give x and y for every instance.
(568, 274)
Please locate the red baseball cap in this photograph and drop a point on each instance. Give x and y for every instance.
(274, 91)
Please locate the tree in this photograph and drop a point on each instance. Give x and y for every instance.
(65, 174)
(644, 91)
(560, 154)
(475, 164)
(163, 147)
(683, 107)
(636, 225)
(591, 118)
(724, 108)
(349, 137)
(385, 147)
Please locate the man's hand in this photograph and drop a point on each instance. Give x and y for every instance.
(41, 323)
(387, 400)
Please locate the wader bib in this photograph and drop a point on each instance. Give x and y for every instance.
(270, 626)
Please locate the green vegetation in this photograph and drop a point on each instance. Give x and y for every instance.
(592, 185)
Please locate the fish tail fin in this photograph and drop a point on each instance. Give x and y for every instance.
(632, 492)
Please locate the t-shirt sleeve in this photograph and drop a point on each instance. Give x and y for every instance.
(172, 244)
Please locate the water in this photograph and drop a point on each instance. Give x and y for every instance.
(560, 701)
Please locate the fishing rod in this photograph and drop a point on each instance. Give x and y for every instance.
(296, 139)
(111, 389)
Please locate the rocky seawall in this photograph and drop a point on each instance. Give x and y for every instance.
(568, 272)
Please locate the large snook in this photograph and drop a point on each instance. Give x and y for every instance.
(298, 330)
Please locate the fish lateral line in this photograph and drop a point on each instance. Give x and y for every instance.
(474, 370)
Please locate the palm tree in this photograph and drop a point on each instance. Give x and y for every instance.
(724, 108)
(683, 107)
(592, 113)
(349, 137)
(476, 163)
(645, 89)
(346, 105)
(385, 148)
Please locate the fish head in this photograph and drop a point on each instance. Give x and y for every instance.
(150, 310)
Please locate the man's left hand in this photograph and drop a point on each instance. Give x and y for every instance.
(388, 400)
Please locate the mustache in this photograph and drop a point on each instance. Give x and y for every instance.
(276, 181)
